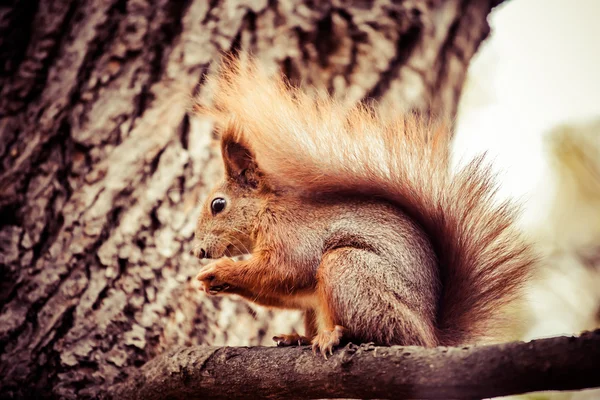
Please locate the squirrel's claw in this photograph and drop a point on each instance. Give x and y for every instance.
(325, 341)
(217, 289)
(291, 340)
(210, 282)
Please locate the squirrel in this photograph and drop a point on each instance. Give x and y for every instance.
(355, 219)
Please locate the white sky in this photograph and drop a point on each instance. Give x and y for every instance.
(540, 66)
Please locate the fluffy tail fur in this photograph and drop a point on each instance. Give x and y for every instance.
(313, 145)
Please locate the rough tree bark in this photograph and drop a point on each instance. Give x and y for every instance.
(101, 166)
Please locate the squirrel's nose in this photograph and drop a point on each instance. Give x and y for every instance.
(202, 253)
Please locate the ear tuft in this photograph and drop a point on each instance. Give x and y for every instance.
(240, 164)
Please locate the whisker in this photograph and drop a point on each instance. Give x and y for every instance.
(230, 243)
(246, 250)
(240, 242)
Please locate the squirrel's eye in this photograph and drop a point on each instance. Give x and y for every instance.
(217, 205)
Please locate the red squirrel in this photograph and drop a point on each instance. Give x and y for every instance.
(354, 218)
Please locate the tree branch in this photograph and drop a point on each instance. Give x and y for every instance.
(366, 371)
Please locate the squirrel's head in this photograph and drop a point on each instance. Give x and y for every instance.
(229, 215)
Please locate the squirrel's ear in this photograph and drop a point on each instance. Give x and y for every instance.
(240, 165)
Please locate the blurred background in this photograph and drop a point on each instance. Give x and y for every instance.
(102, 164)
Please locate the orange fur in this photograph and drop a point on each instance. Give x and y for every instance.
(311, 148)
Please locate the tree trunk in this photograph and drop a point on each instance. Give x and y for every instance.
(101, 165)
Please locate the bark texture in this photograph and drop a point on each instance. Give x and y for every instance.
(101, 165)
(368, 372)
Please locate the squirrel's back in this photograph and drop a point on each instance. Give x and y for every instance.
(317, 146)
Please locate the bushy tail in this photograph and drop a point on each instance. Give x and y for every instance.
(313, 146)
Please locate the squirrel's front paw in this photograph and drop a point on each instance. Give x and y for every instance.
(211, 279)
(327, 340)
(291, 340)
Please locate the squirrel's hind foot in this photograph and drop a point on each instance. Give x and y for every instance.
(293, 339)
(326, 340)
